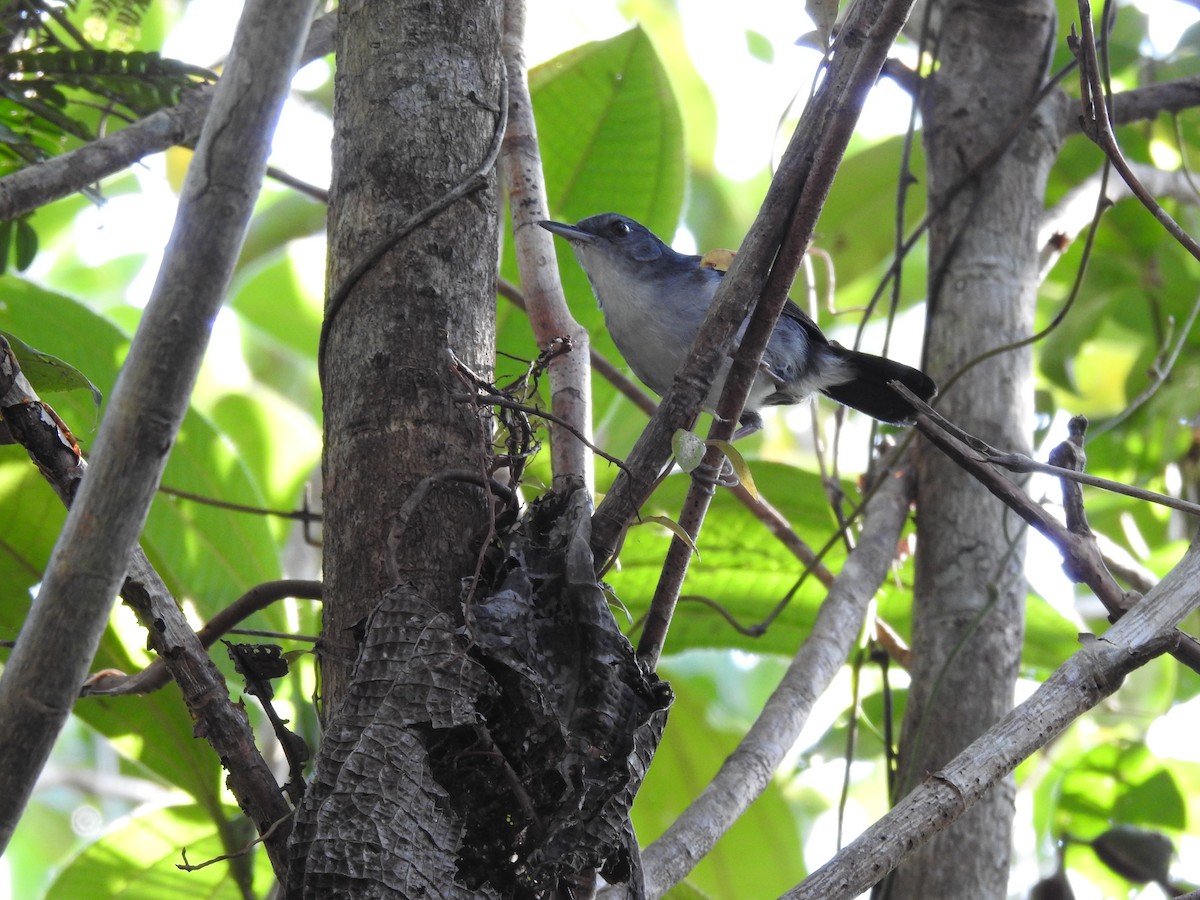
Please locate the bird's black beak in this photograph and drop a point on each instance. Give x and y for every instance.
(570, 232)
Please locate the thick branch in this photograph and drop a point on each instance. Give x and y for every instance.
(90, 559)
(1090, 675)
(821, 135)
(1140, 104)
(182, 654)
(35, 186)
(748, 770)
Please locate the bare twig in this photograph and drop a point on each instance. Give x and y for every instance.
(304, 515)
(498, 399)
(192, 867)
(321, 195)
(258, 598)
(1097, 125)
(1018, 462)
(1082, 560)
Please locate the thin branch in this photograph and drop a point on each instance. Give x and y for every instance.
(321, 195)
(156, 675)
(35, 186)
(521, 170)
(1098, 126)
(304, 515)
(748, 770)
(1091, 674)
(1018, 462)
(499, 399)
(192, 867)
(275, 635)
(89, 563)
(1082, 560)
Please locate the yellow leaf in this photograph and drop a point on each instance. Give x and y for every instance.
(676, 529)
(720, 260)
(178, 159)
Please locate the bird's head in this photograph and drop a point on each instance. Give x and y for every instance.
(612, 241)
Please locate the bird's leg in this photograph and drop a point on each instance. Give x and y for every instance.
(749, 423)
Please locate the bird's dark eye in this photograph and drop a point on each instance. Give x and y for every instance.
(620, 229)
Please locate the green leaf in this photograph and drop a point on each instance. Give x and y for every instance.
(761, 855)
(26, 244)
(140, 858)
(606, 118)
(6, 238)
(676, 529)
(744, 569)
(862, 198)
(49, 374)
(1156, 800)
(281, 216)
(760, 46)
(1050, 637)
(688, 448)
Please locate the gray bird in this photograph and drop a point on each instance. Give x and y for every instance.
(654, 300)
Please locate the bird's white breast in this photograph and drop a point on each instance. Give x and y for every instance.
(652, 336)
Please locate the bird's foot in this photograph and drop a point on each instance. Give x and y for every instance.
(749, 423)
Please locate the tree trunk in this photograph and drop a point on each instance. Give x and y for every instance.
(417, 89)
(417, 107)
(970, 586)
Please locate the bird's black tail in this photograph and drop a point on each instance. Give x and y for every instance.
(868, 391)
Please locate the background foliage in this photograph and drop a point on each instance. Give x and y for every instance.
(627, 123)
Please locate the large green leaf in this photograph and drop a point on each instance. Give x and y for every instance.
(610, 132)
(857, 223)
(742, 567)
(207, 556)
(612, 140)
(140, 858)
(280, 318)
(761, 855)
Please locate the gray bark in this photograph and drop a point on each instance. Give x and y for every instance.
(417, 89)
(970, 587)
(417, 95)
